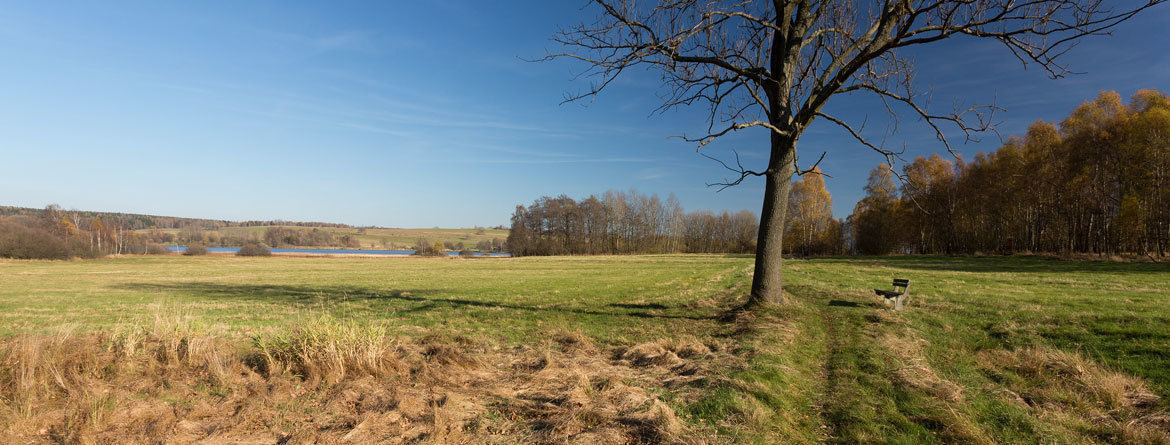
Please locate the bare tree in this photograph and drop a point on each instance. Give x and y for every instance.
(775, 64)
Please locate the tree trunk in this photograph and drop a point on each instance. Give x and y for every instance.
(766, 281)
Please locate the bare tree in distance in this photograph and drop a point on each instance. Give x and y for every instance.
(774, 65)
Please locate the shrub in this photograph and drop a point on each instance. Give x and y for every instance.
(466, 252)
(426, 248)
(350, 241)
(328, 349)
(195, 249)
(18, 241)
(157, 249)
(254, 249)
(82, 248)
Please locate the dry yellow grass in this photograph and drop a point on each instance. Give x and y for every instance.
(1081, 394)
(336, 382)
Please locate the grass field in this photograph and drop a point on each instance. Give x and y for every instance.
(584, 349)
(373, 238)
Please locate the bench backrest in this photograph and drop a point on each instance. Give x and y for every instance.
(901, 283)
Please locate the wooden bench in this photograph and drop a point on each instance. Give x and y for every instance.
(894, 296)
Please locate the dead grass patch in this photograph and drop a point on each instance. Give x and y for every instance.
(577, 393)
(331, 382)
(946, 398)
(915, 371)
(1081, 394)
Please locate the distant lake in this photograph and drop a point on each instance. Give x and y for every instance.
(337, 251)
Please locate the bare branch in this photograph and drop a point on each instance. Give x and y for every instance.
(706, 139)
(813, 168)
(738, 169)
(857, 135)
(776, 64)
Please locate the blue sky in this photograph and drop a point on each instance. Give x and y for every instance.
(418, 114)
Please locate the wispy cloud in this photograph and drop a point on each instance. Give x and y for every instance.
(533, 153)
(398, 117)
(583, 160)
(371, 128)
(344, 40)
(651, 174)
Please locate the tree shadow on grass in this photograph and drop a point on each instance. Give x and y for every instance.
(844, 303)
(804, 292)
(1015, 263)
(427, 300)
(639, 306)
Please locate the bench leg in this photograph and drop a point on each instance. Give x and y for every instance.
(898, 302)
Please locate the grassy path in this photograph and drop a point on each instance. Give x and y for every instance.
(877, 387)
(969, 361)
(840, 338)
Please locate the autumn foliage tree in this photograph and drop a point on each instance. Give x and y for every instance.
(928, 192)
(874, 222)
(1097, 182)
(811, 228)
(774, 65)
(52, 233)
(424, 247)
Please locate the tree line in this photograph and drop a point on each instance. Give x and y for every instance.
(626, 223)
(631, 223)
(133, 221)
(280, 222)
(129, 221)
(54, 233)
(284, 236)
(195, 235)
(1097, 182)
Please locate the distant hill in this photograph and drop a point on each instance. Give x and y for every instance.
(134, 221)
(177, 230)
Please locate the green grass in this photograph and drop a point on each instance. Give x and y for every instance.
(989, 350)
(1110, 311)
(608, 297)
(963, 313)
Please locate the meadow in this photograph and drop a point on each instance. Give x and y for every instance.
(621, 349)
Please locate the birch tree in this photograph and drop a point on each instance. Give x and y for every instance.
(810, 213)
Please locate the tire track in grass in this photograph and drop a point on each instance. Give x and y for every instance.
(831, 370)
(868, 395)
